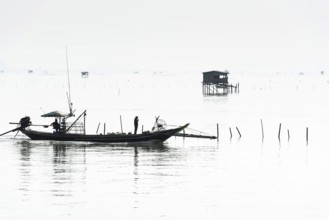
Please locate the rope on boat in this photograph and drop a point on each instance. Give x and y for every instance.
(193, 130)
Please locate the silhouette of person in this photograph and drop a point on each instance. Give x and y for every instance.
(55, 125)
(136, 124)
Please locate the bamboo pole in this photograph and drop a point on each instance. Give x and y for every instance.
(238, 131)
(104, 128)
(98, 127)
(288, 135)
(217, 133)
(307, 134)
(261, 122)
(279, 134)
(230, 133)
(121, 124)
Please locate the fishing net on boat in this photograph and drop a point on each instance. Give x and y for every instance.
(76, 127)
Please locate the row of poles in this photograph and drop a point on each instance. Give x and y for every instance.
(104, 131)
(261, 121)
(231, 135)
(288, 132)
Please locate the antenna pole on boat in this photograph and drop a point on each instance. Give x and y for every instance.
(84, 123)
(68, 80)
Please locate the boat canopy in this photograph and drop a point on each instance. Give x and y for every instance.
(55, 114)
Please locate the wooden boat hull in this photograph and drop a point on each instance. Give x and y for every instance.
(158, 136)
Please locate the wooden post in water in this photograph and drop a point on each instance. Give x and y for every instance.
(121, 124)
(288, 135)
(238, 131)
(104, 128)
(98, 127)
(142, 129)
(307, 134)
(217, 133)
(230, 133)
(261, 122)
(279, 131)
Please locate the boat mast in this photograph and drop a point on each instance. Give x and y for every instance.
(68, 80)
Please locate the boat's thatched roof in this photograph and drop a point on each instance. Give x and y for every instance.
(55, 114)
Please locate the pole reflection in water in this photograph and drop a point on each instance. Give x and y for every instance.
(135, 192)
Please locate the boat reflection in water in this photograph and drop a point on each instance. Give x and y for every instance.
(71, 172)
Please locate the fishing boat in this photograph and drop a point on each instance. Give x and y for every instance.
(158, 133)
(159, 136)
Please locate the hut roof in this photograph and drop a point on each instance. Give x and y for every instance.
(216, 72)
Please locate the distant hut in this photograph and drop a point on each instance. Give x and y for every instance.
(216, 83)
(84, 74)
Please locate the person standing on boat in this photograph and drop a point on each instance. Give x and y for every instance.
(55, 125)
(136, 124)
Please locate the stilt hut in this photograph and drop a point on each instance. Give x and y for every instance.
(216, 83)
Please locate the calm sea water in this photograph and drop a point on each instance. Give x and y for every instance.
(234, 178)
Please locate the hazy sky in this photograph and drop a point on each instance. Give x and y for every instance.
(238, 35)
